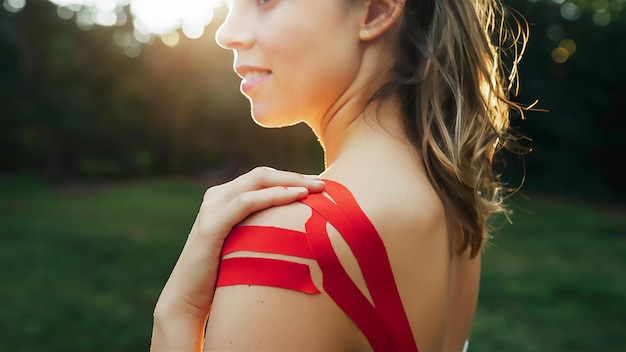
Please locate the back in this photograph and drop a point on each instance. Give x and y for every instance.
(438, 286)
(425, 269)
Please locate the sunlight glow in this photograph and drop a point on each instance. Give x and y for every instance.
(13, 5)
(170, 39)
(165, 16)
(150, 17)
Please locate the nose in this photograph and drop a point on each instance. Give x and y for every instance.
(234, 33)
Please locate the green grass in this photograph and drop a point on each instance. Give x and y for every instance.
(554, 281)
(82, 267)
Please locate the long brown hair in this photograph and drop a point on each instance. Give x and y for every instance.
(454, 87)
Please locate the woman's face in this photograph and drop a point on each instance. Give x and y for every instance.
(297, 58)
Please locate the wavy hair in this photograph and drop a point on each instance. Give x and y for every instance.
(454, 84)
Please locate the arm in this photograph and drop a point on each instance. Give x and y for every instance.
(261, 318)
(265, 318)
(464, 300)
(183, 306)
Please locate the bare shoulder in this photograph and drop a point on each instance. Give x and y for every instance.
(411, 221)
(405, 208)
(255, 317)
(438, 286)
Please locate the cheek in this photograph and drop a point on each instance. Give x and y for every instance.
(313, 66)
(317, 72)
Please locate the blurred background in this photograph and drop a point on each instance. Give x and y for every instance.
(115, 115)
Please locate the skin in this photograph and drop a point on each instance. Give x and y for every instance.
(323, 81)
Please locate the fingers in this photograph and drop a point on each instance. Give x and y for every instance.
(251, 202)
(222, 219)
(260, 178)
(264, 177)
(226, 205)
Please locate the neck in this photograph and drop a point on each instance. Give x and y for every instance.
(356, 127)
(351, 122)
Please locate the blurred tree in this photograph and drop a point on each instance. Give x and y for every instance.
(574, 67)
(100, 103)
(74, 105)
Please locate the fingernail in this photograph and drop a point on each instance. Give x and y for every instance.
(317, 183)
(299, 190)
(315, 180)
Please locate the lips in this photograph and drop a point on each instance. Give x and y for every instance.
(251, 76)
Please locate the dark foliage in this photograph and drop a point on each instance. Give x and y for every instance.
(580, 143)
(72, 105)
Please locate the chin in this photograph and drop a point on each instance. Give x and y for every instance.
(273, 123)
(268, 119)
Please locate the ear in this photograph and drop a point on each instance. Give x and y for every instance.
(381, 15)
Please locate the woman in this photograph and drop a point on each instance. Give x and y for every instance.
(409, 102)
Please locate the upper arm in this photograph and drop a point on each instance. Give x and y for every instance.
(254, 317)
(463, 301)
(265, 318)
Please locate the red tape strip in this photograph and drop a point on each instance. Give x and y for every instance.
(267, 240)
(266, 272)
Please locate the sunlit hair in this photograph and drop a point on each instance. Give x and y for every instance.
(454, 86)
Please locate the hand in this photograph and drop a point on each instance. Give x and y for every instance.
(185, 301)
